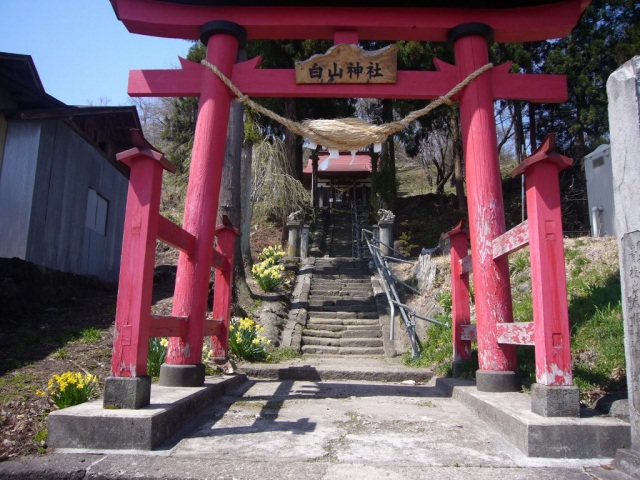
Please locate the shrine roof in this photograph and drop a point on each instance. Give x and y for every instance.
(345, 163)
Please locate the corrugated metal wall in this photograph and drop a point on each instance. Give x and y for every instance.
(599, 175)
(17, 183)
(58, 237)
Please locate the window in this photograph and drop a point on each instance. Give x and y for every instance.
(598, 162)
(97, 209)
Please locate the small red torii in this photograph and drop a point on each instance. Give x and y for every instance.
(224, 26)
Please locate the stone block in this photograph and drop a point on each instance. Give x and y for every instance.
(490, 381)
(122, 392)
(181, 375)
(555, 401)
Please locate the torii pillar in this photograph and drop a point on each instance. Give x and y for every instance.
(183, 364)
(486, 210)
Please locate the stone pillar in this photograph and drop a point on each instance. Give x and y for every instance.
(623, 90)
(304, 242)
(294, 224)
(385, 224)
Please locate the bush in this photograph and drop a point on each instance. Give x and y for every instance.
(245, 341)
(70, 388)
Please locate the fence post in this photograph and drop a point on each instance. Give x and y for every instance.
(129, 386)
(460, 301)
(554, 394)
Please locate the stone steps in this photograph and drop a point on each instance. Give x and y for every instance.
(355, 351)
(339, 331)
(343, 322)
(343, 313)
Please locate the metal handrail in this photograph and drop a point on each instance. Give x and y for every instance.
(388, 282)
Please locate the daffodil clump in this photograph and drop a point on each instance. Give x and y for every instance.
(274, 253)
(267, 272)
(246, 341)
(155, 355)
(70, 388)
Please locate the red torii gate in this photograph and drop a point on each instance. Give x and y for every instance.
(223, 26)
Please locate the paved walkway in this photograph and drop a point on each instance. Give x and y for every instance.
(323, 428)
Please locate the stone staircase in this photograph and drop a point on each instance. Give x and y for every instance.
(340, 240)
(343, 315)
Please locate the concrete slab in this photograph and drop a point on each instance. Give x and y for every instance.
(336, 367)
(89, 425)
(590, 436)
(321, 430)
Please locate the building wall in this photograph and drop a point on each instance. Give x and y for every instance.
(17, 183)
(600, 190)
(70, 175)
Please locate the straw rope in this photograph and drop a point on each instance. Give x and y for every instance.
(345, 133)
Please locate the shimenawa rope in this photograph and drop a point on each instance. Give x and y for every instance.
(345, 133)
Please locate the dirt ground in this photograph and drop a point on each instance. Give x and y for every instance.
(52, 322)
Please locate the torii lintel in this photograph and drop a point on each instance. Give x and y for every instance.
(424, 85)
(529, 20)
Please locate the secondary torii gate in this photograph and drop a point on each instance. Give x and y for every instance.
(223, 26)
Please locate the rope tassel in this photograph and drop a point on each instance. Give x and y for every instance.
(345, 133)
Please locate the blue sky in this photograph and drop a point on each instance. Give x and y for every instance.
(80, 49)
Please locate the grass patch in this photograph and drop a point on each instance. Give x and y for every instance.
(91, 335)
(17, 386)
(279, 355)
(437, 349)
(60, 354)
(595, 319)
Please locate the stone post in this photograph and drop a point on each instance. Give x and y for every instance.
(623, 90)
(385, 224)
(294, 224)
(304, 242)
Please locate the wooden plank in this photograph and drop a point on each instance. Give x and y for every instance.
(465, 264)
(469, 332)
(167, 326)
(346, 63)
(176, 236)
(213, 328)
(511, 241)
(515, 333)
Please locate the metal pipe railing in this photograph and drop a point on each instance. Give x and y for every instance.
(388, 284)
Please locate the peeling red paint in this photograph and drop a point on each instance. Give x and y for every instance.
(515, 333)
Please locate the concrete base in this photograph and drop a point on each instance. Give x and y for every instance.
(628, 461)
(122, 392)
(590, 436)
(89, 426)
(181, 375)
(459, 368)
(490, 381)
(554, 401)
